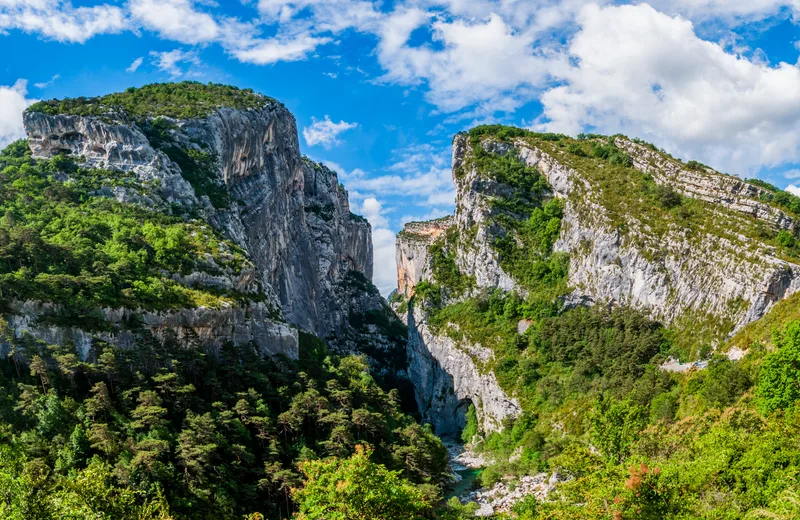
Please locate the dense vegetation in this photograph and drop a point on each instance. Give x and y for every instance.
(63, 240)
(163, 431)
(638, 442)
(184, 100)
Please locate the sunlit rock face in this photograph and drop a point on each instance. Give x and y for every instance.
(711, 273)
(290, 215)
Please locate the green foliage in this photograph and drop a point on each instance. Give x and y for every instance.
(615, 426)
(358, 218)
(160, 429)
(357, 489)
(695, 165)
(31, 490)
(609, 152)
(779, 379)
(526, 225)
(61, 242)
(471, 427)
(444, 270)
(184, 100)
(763, 184)
(668, 197)
(399, 299)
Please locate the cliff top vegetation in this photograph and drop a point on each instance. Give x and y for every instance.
(184, 100)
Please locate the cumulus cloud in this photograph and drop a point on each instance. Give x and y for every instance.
(268, 51)
(176, 20)
(134, 66)
(384, 274)
(320, 15)
(59, 20)
(372, 210)
(483, 62)
(13, 101)
(173, 62)
(634, 70)
(325, 132)
(793, 189)
(383, 245)
(418, 171)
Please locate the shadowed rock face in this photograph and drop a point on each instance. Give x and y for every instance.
(447, 380)
(290, 215)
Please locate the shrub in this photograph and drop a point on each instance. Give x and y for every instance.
(779, 379)
(357, 489)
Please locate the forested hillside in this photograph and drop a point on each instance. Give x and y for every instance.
(189, 330)
(606, 405)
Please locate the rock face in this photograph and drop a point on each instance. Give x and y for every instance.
(729, 277)
(715, 274)
(290, 215)
(412, 251)
(447, 381)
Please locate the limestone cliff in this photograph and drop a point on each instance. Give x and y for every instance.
(698, 250)
(239, 170)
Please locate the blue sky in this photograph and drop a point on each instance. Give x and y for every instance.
(379, 88)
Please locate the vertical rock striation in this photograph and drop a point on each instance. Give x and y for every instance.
(290, 215)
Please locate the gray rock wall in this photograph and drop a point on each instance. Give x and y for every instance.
(290, 215)
(447, 380)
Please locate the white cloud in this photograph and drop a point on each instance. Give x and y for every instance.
(170, 62)
(320, 15)
(794, 190)
(732, 11)
(421, 172)
(48, 83)
(792, 174)
(372, 210)
(424, 183)
(273, 50)
(637, 71)
(135, 64)
(59, 20)
(384, 274)
(479, 62)
(13, 101)
(176, 20)
(324, 132)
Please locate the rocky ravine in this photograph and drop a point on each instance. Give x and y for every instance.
(290, 215)
(724, 278)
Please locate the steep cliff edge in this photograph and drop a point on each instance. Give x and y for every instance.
(227, 161)
(583, 221)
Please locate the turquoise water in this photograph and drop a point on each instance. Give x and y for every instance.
(468, 477)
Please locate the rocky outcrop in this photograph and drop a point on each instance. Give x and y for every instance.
(290, 215)
(412, 251)
(726, 276)
(679, 275)
(701, 182)
(447, 380)
(206, 328)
